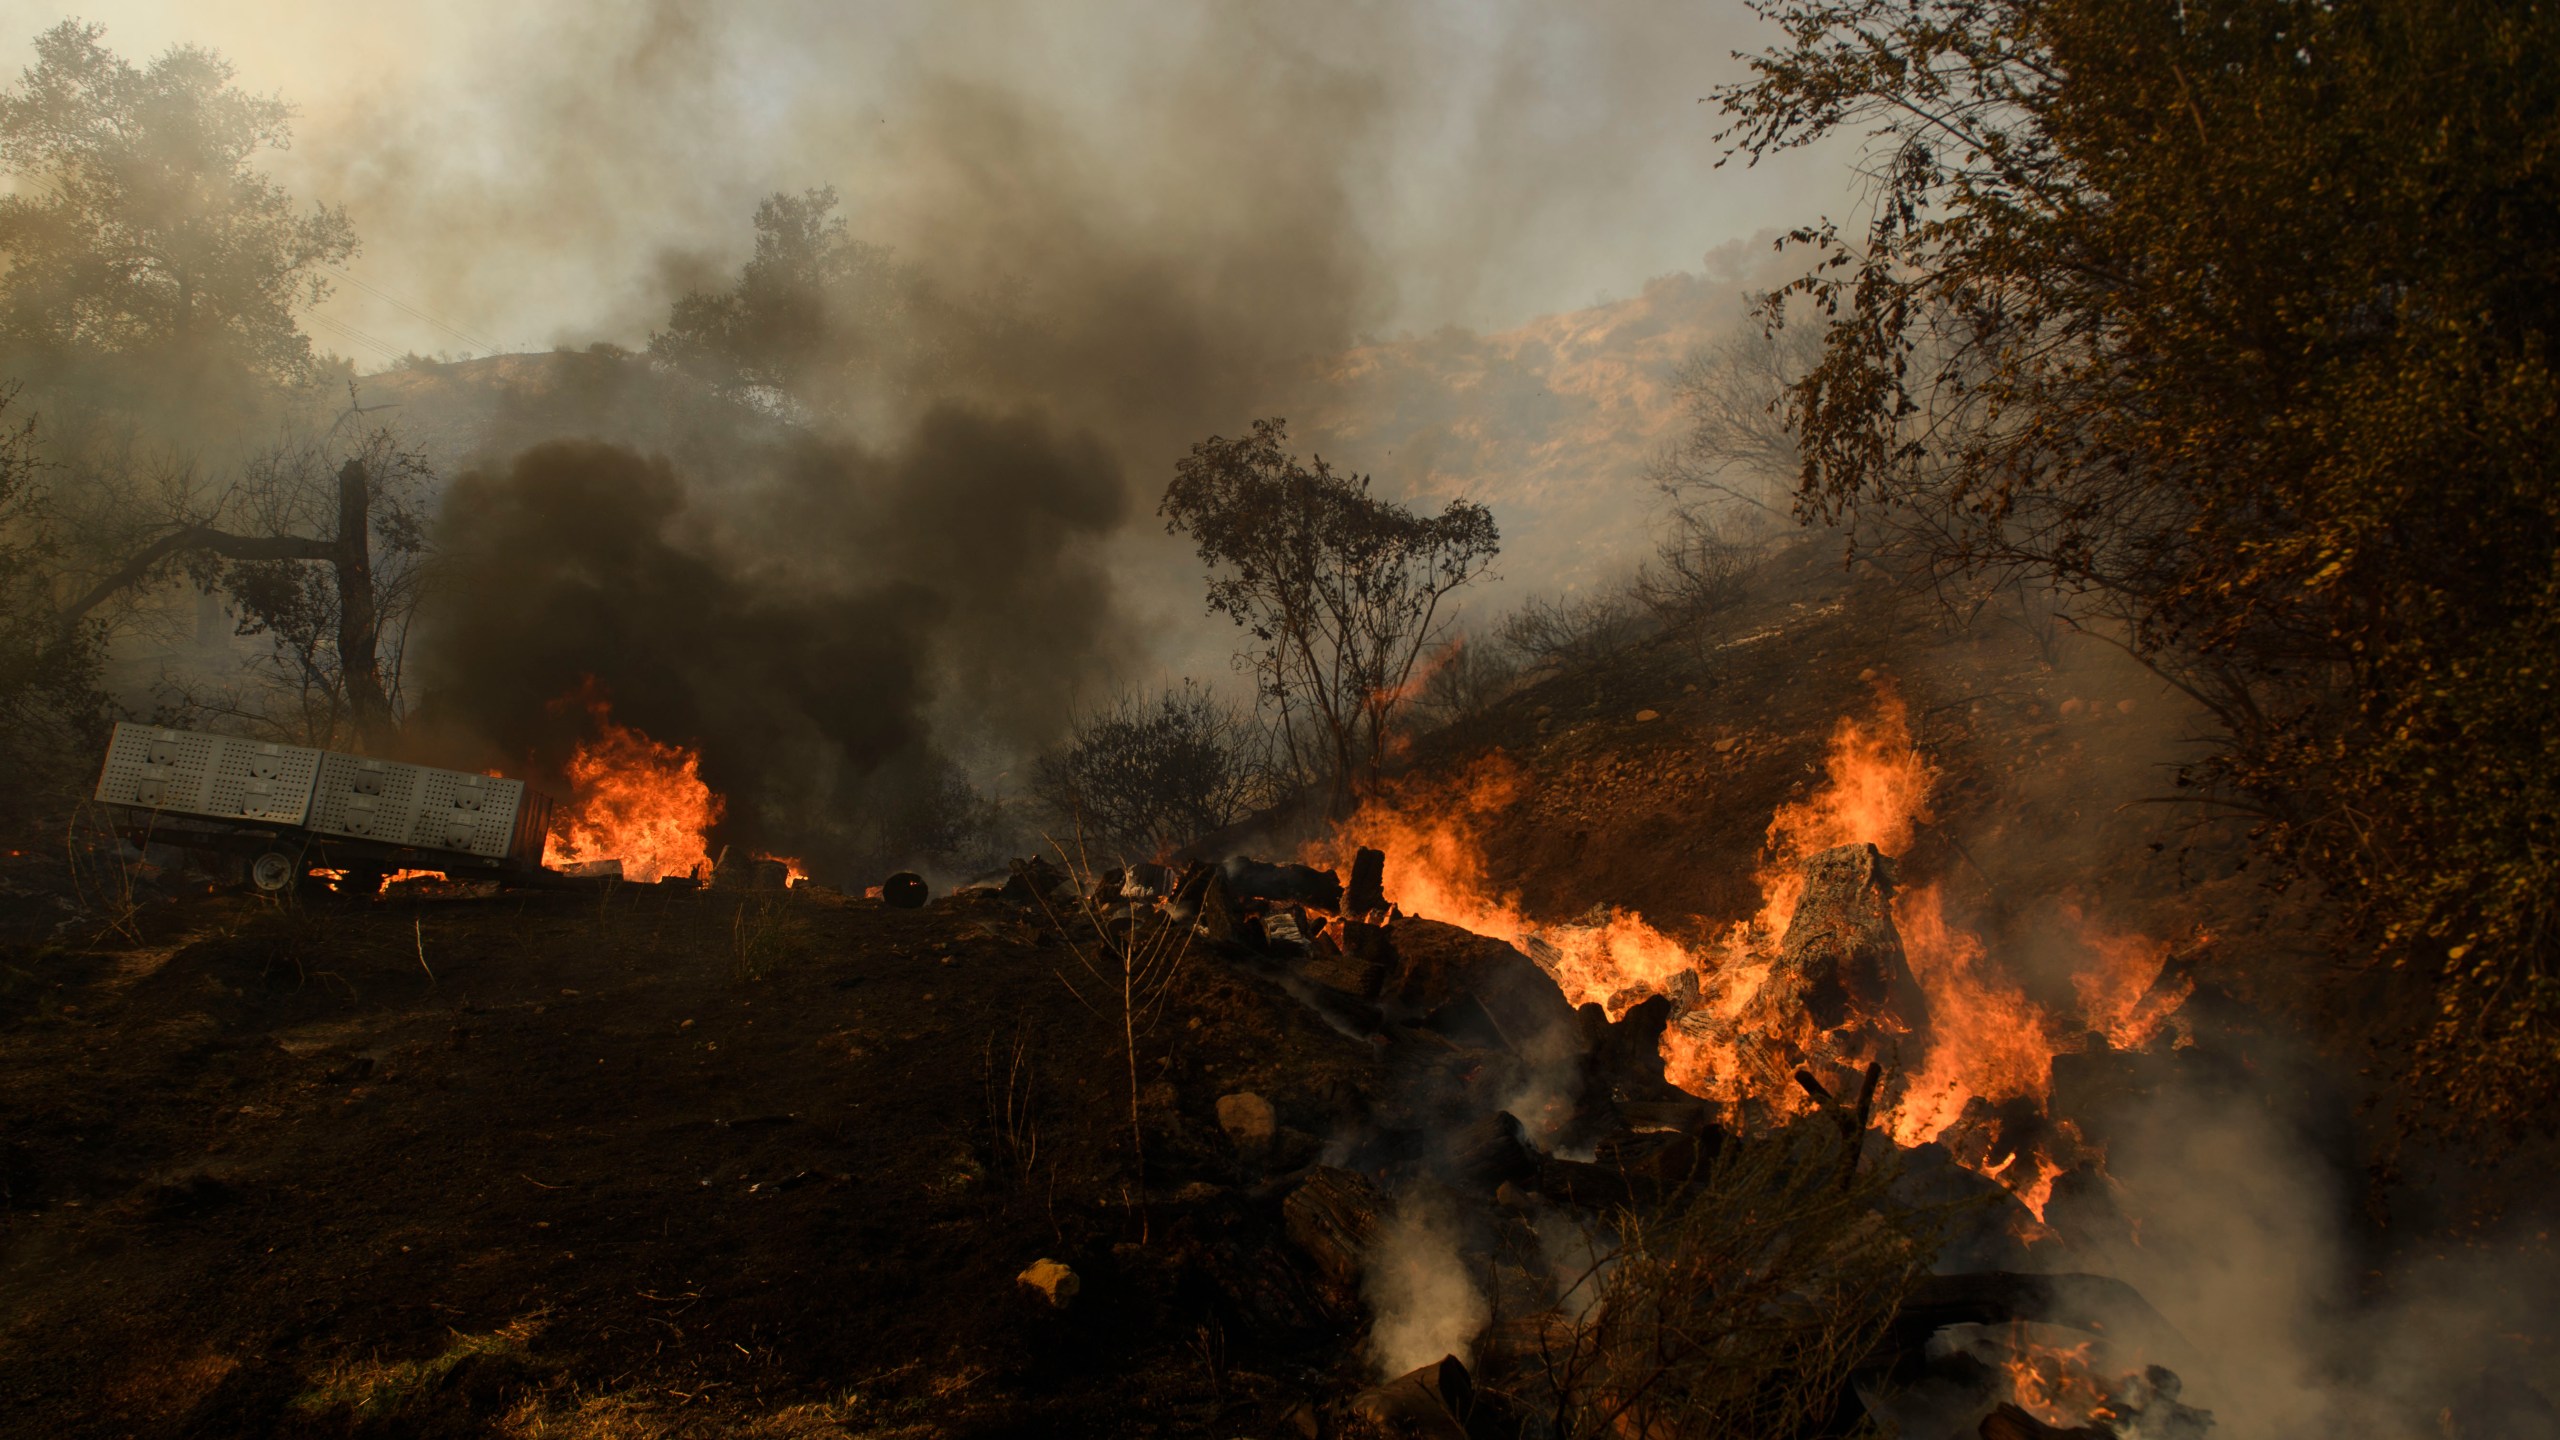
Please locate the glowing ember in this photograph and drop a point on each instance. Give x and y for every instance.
(637, 801)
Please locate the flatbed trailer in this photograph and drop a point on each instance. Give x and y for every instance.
(280, 812)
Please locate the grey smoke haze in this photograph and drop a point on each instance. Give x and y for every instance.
(1187, 217)
(2297, 1330)
(1194, 213)
(532, 174)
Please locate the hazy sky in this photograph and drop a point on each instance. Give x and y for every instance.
(529, 174)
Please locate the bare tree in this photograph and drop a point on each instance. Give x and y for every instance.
(1141, 776)
(328, 627)
(1738, 449)
(1340, 590)
(1464, 676)
(1573, 631)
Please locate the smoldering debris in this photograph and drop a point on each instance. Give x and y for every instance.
(1456, 1232)
(823, 627)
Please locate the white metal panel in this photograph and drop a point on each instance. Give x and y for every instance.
(461, 811)
(397, 804)
(157, 769)
(188, 773)
(259, 781)
(356, 796)
(365, 798)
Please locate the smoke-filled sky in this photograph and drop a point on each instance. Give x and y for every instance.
(527, 175)
(1137, 222)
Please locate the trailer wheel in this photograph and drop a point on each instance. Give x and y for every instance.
(273, 873)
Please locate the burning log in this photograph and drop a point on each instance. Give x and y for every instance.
(1841, 953)
(1840, 995)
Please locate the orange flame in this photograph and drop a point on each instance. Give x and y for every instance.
(1985, 1039)
(2058, 1384)
(2121, 994)
(638, 801)
(1436, 865)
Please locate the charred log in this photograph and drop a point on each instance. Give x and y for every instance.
(1249, 879)
(1367, 894)
(1491, 1151)
(1437, 963)
(2098, 1304)
(2011, 1423)
(1432, 1402)
(1331, 1218)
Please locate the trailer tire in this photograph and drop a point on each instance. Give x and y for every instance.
(273, 873)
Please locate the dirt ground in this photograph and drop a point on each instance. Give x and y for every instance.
(643, 1162)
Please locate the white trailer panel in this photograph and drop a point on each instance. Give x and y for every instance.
(384, 800)
(187, 773)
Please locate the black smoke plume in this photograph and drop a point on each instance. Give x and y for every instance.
(816, 629)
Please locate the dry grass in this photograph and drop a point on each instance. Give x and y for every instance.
(764, 934)
(1739, 1311)
(379, 1390)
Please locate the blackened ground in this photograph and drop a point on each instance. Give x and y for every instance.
(638, 1163)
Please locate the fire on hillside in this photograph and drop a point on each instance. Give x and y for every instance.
(1782, 1010)
(641, 804)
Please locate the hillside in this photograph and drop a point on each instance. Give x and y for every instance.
(649, 1161)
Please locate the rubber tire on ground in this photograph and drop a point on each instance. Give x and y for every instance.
(273, 873)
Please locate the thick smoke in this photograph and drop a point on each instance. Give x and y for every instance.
(801, 630)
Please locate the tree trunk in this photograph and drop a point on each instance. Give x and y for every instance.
(359, 623)
(350, 552)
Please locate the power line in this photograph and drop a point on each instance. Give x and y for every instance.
(352, 333)
(385, 296)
